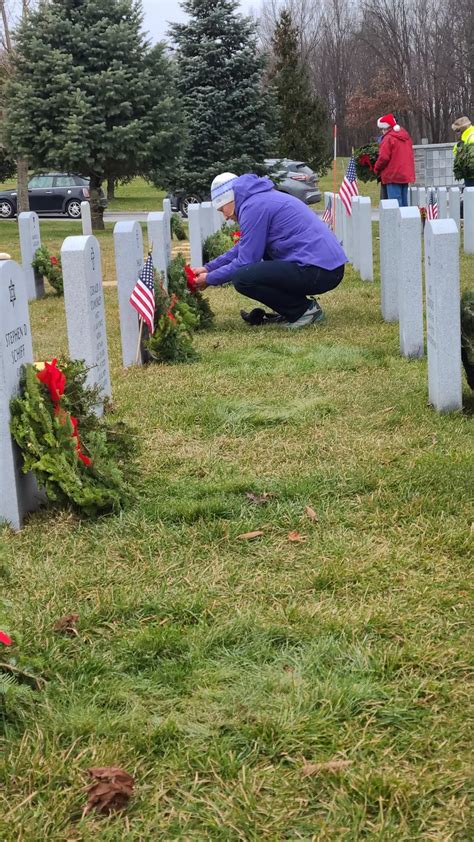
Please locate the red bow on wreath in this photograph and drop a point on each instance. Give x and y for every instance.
(236, 236)
(191, 278)
(55, 380)
(7, 641)
(365, 161)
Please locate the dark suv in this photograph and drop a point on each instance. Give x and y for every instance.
(51, 193)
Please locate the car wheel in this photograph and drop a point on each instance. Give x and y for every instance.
(185, 201)
(6, 209)
(73, 209)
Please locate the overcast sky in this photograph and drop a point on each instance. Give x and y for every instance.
(159, 12)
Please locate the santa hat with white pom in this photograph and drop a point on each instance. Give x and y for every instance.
(388, 122)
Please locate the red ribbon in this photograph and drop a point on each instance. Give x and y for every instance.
(55, 380)
(236, 236)
(7, 641)
(191, 278)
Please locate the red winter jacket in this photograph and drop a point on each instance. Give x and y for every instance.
(396, 163)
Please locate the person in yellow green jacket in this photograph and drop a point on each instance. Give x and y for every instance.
(464, 131)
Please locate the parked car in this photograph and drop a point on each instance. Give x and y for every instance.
(52, 193)
(292, 177)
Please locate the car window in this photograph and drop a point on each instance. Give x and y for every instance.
(41, 181)
(64, 181)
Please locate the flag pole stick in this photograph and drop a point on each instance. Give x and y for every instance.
(334, 164)
(140, 332)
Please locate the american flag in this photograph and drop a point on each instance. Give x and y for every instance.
(432, 206)
(349, 187)
(143, 295)
(327, 215)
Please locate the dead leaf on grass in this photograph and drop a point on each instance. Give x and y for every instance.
(328, 766)
(259, 499)
(110, 791)
(311, 513)
(296, 537)
(67, 625)
(249, 536)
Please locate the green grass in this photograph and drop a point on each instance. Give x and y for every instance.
(212, 668)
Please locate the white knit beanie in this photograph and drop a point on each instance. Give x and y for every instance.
(222, 189)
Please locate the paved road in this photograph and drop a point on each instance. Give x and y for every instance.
(141, 216)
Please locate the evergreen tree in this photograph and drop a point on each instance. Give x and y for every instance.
(89, 95)
(229, 114)
(304, 119)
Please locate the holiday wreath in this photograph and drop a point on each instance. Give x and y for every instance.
(365, 158)
(77, 457)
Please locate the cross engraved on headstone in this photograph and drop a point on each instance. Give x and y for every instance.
(11, 290)
(93, 259)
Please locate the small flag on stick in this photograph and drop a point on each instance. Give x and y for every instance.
(327, 215)
(432, 206)
(349, 187)
(143, 294)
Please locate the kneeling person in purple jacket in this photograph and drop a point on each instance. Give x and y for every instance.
(285, 252)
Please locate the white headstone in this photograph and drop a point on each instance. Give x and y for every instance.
(442, 203)
(30, 241)
(389, 259)
(168, 231)
(18, 491)
(422, 197)
(86, 218)
(410, 292)
(340, 212)
(128, 243)
(455, 205)
(414, 197)
(167, 208)
(366, 259)
(443, 314)
(207, 220)
(159, 239)
(468, 213)
(355, 233)
(85, 314)
(347, 234)
(195, 241)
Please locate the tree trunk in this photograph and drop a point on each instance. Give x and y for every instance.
(22, 199)
(111, 188)
(97, 212)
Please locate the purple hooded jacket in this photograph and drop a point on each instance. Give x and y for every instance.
(274, 226)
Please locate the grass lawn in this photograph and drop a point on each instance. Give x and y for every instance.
(219, 671)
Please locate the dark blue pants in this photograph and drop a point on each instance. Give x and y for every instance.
(284, 286)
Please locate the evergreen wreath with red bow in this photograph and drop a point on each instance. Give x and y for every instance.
(78, 458)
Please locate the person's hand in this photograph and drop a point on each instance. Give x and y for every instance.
(198, 270)
(201, 282)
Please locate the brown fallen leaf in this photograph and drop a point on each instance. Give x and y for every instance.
(110, 791)
(249, 536)
(328, 766)
(296, 537)
(311, 513)
(67, 625)
(259, 499)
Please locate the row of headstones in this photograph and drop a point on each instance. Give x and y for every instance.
(203, 220)
(449, 207)
(400, 231)
(86, 328)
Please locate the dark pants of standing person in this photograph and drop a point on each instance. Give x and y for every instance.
(284, 286)
(399, 192)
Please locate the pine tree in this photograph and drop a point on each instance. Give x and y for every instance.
(304, 119)
(228, 112)
(89, 94)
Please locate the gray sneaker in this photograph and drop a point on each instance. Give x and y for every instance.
(313, 314)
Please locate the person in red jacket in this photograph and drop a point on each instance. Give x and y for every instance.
(395, 164)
